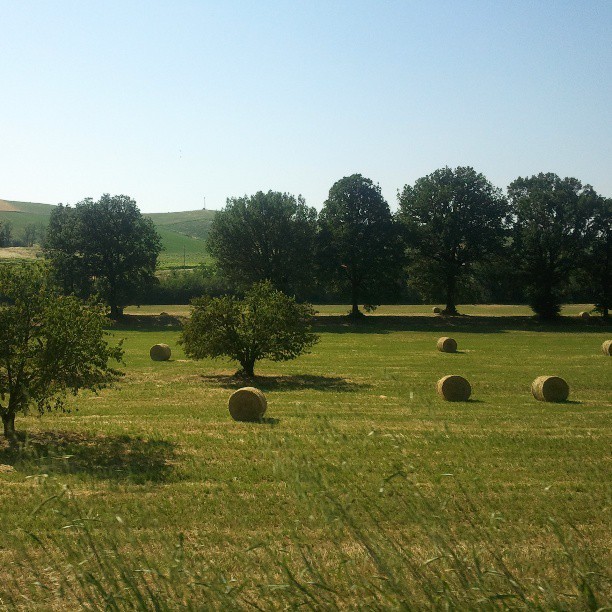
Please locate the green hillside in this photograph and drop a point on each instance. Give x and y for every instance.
(26, 213)
(194, 223)
(183, 233)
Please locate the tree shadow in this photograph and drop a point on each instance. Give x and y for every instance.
(285, 383)
(120, 458)
(148, 322)
(384, 324)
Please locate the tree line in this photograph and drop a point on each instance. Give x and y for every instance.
(545, 240)
(454, 236)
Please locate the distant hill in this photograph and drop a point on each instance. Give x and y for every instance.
(183, 233)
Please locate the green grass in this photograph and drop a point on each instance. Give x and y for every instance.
(363, 489)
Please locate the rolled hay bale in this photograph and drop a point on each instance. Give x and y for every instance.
(454, 388)
(160, 352)
(606, 348)
(247, 404)
(550, 389)
(436, 310)
(584, 315)
(447, 345)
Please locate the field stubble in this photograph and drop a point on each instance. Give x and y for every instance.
(364, 488)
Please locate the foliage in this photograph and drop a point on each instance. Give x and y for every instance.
(6, 234)
(106, 246)
(452, 219)
(266, 324)
(358, 244)
(598, 259)
(181, 286)
(267, 236)
(551, 221)
(49, 344)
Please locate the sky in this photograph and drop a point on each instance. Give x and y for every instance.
(181, 104)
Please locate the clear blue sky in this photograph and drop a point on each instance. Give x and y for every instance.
(172, 101)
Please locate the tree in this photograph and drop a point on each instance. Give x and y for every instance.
(265, 236)
(30, 233)
(358, 244)
(266, 324)
(105, 246)
(598, 259)
(551, 219)
(452, 219)
(6, 234)
(49, 344)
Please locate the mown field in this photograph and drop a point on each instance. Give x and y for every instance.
(362, 488)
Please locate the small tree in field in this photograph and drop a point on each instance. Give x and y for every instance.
(49, 345)
(266, 324)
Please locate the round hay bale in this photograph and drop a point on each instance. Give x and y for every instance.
(584, 315)
(160, 352)
(454, 388)
(606, 348)
(550, 389)
(247, 404)
(436, 310)
(447, 345)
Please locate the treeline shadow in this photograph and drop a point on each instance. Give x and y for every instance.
(119, 458)
(385, 324)
(148, 322)
(285, 383)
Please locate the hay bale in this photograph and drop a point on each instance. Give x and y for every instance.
(454, 388)
(447, 345)
(584, 315)
(247, 404)
(550, 389)
(606, 348)
(436, 310)
(160, 352)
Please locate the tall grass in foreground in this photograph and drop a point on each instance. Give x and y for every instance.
(365, 560)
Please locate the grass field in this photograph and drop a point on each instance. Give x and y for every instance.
(362, 488)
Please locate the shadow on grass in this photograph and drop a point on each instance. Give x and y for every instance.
(161, 321)
(119, 458)
(284, 383)
(385, 324)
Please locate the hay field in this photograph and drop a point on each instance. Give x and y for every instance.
(363, 488)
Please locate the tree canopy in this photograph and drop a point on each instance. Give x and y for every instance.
(266, 236)
(597, 263)
(358, 244)
(105, 246)
(452, 218)
(550, 235)
(266, 324)
(50, 344)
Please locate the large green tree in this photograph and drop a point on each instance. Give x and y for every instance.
(452, 219)
(50, 344)
(550, 234)
(597, 266)
(105, 246)
(359, 250)
(266, 236)
(266, 324)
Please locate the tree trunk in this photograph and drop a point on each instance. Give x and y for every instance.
(8, 420)
(248, 367)
(451, 283)
(116, 312)
(354, 299)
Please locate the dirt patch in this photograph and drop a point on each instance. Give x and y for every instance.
(7, 207)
